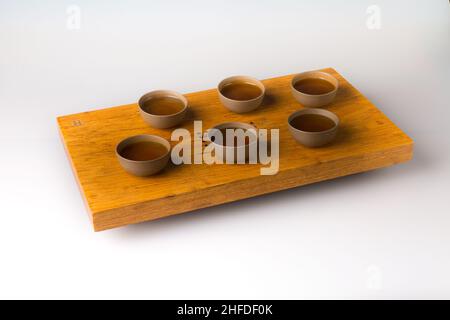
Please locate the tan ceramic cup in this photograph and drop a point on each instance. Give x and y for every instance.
(314, 100)
(241, 148)
(162, 121)
(241, 106)
(143, 168)
(314, 139)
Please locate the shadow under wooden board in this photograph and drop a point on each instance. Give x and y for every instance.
(367, 140)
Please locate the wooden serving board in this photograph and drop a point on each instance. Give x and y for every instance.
(367, 140)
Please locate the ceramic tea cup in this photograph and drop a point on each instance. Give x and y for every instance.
(244, 147)
(313, 127)
(143, 155)
(163, 108)
(314, 88)
(241, 94)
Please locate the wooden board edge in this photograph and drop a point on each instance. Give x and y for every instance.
(74, 172)
(160, 208)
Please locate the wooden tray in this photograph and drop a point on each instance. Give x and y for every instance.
(367, 140)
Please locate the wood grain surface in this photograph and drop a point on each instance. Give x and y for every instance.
(367, 140)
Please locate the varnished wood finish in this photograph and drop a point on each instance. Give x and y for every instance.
(367, 140)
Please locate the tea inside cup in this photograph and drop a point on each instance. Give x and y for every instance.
(314, 88)
(313, 127)
(143, 155)
(241, 94)
(163, 108)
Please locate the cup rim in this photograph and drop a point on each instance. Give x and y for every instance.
(152, 137)
(330, 115)
(167, 93)
(244, 78)
(325, 75)
(234, 125)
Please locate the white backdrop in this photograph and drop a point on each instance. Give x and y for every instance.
(383, 234)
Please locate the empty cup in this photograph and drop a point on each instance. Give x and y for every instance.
(247, 144)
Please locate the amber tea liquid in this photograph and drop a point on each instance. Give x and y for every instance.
(163, 106)
(312, 123)
(241, 91)
(143, 151)
(314, 86)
